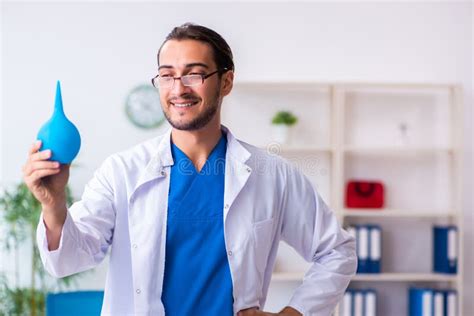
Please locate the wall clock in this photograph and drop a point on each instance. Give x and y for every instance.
(143, 108)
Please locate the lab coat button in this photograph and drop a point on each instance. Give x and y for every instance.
(248, 170)
(138, 291)
(230, 253)
(135, 246)
(163, 173)
(226, 206)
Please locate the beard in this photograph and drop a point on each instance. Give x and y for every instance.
(201, 120)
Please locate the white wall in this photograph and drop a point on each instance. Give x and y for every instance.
(102, 50)
(2, 256)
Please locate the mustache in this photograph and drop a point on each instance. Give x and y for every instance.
(184, 97)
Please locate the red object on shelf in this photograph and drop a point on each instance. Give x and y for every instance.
(364, 194)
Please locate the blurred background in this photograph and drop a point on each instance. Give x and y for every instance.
(320, 61)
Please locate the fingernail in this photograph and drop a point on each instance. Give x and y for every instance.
(37, 142)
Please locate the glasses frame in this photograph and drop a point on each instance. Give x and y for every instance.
(203, 78)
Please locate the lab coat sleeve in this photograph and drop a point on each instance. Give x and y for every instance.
(311, 228)
(87, 231)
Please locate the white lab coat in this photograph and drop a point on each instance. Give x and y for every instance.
(266, 200)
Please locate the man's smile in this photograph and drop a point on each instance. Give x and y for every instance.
(186, 104)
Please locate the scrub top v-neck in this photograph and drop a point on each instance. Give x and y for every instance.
(197, 278)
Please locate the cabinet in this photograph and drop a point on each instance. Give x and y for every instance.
(409, 136)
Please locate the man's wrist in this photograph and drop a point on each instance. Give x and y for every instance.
(289, 311)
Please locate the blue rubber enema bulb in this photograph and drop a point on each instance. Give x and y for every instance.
(59, 134)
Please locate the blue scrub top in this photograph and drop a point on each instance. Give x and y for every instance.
(197, 278)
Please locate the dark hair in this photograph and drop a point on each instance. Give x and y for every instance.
(222, 53)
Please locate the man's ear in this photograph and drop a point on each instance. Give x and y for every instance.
(227, 82)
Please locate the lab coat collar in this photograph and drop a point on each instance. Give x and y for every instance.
(234, 147)
(237, 172)
(163, 154)
(163, 157)
(156, 166)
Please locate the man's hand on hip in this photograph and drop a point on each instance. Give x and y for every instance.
(287, 311)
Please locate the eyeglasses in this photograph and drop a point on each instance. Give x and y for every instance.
(187, 80)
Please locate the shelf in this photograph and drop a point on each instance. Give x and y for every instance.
(275, 148)
(398, 150)
(348, 86)
(375, 277)
(406, 277)
(364, 86)
(285, 85)
(396, 213)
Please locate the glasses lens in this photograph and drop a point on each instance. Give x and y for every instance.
(165, 82)
(191, 80)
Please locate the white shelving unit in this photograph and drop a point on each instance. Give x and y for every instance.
(391, 277)
(406, 135)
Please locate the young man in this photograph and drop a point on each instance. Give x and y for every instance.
(194, 217)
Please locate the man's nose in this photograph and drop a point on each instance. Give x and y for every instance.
(179, 88)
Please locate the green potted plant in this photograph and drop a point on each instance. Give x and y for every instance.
(282, 122)
(19, 216)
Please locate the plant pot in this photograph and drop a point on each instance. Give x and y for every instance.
(281, 133)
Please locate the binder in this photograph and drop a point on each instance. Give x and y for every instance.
(375, 248)
(432, 302)
(370, 302)
(346, 304)
(358, 303)
(438, 303)
(420, 302)
(450, 303)
(362, 249)
(445, 249)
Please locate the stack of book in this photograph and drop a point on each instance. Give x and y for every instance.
(445, 249)
(369, 247)
(432, 302)
(359, 303)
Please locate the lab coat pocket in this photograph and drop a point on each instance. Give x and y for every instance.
(262, 232)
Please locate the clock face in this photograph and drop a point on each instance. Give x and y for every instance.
(143, 108)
